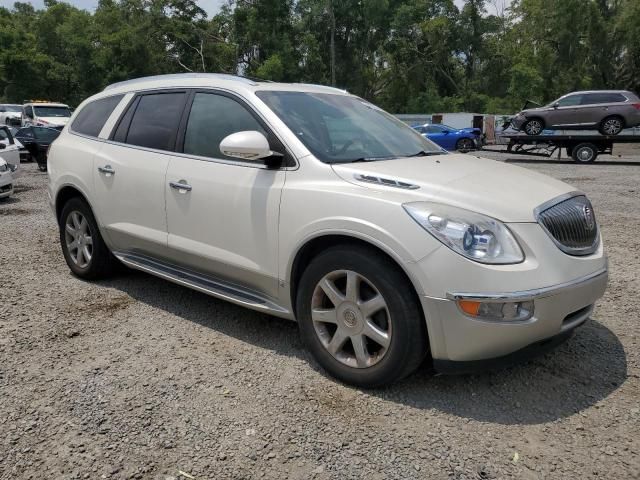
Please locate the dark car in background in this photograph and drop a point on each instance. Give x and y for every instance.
(37, 140)
(608, 111)
(449, 138)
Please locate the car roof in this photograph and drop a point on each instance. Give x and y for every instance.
(45, 104)
(222, 80)
(596, 91)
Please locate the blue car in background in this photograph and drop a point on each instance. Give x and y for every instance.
(449, 138)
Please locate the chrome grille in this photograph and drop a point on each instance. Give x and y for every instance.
(571, 223)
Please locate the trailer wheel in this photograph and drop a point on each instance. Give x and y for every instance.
(584, 153)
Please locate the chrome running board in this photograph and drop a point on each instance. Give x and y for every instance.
(214, 287)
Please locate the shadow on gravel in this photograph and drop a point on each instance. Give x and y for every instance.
(578, 374)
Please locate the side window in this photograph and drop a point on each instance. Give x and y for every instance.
(595, 98)
(25, 132)
(434, 129)
(211, 119)
(570, 101)
(155, 120)
(94, 115)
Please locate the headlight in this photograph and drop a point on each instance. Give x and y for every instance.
(4, 167)
(472, 235)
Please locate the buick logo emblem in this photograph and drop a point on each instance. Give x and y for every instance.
(589, 217)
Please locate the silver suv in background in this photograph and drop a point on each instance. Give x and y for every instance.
(608, 111)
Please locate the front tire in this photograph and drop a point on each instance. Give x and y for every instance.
(535, 126)
(465, 145)
(360, 318)
(83, 248)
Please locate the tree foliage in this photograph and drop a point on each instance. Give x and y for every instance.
(406, 55)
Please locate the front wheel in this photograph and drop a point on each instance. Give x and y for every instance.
(533, 127)
(465, 145)
(359, 317)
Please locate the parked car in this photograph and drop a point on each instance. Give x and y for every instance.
(9, 150)
(608, 111)
(309, 203)
(45, 114)
(24, 153)
(37, 140)
(10, 114)
(6, 179)
(450, 138)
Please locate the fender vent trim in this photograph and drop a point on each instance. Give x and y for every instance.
(387, 182)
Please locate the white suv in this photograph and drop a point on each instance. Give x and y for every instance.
(308, 203)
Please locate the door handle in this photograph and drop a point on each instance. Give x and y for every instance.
(107, 170)
(181, 185)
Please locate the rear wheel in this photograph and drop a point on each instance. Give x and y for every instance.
(584, 153)
(84, 249)
(464, 144)
(535, 126)
(359, 317)
(611, 126)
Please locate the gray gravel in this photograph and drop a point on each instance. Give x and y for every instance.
(139, 378)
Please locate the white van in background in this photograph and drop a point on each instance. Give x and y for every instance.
(45, 114)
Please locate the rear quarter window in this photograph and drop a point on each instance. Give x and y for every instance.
(94, 115)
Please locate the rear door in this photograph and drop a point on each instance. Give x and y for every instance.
(224, 221)
(598, 105)
(129, 173)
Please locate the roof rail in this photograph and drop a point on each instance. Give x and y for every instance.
(176, 76)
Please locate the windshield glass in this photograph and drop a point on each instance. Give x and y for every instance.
(12, 108)
(52, 111)
(341, 128)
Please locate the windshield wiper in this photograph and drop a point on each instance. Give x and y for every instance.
(422, 153)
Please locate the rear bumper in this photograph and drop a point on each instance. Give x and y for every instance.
(459, 339)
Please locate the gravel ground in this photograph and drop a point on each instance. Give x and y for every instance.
(139, 378)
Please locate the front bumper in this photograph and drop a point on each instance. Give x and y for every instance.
(456, 337)
(6, 186)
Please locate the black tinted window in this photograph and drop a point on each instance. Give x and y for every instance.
(593, 98)
(45, 135)
(155, 121)
(25, 132)
(570, 101)
(94, 115)
(212, 118)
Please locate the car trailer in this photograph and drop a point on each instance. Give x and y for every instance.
(582, 148)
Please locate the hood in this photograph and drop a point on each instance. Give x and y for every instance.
(53, 121)
(496, 189)
(12, 114)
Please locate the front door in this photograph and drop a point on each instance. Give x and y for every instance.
(129, 174)
(566, 112)
(223, 212)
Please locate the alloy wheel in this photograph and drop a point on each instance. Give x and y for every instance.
(612, 126)
(533, 127)
(78, 239)
(351, 319)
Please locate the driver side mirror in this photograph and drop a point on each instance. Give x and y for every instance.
(2, 146)
(556, 105)
(247, 145)
(446, 132)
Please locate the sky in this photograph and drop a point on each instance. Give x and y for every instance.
(210, 6)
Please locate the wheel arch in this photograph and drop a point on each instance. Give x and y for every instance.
(310, 247)
(66, 193)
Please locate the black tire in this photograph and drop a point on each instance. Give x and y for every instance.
(612, 125)
(584, 153)
(408, 342)
(102, 262)
(465, 145)
(533, 126)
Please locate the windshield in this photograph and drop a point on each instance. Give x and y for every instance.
(341, 128)
(11, 108)
(52, 111)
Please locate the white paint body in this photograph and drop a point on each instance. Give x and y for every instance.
(245, 223)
